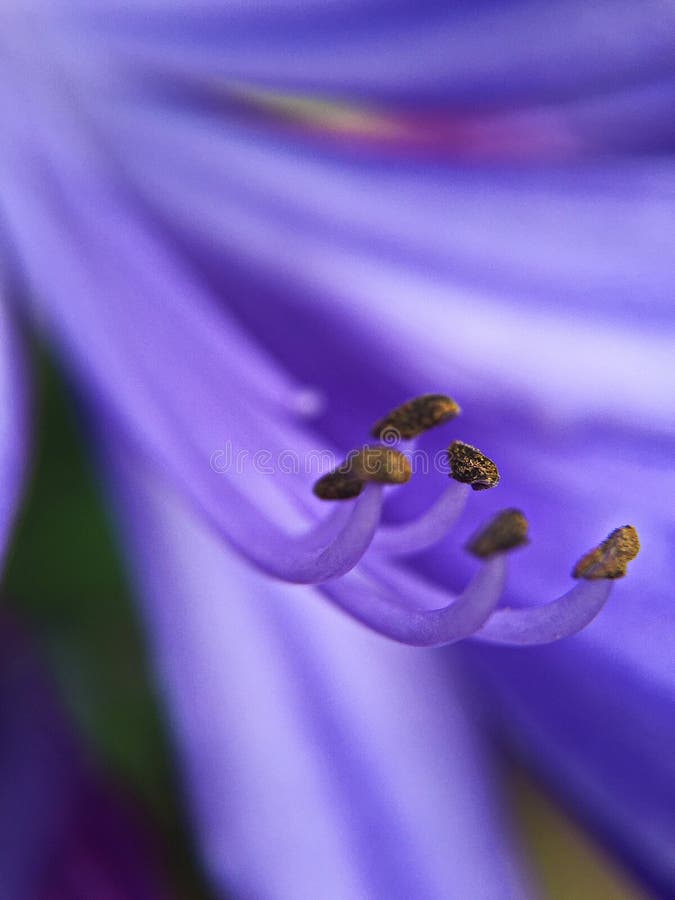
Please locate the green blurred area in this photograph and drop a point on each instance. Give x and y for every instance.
(65, 577)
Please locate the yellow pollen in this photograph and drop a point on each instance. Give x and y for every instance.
(383, 464)
(610, 558)
(505, 531)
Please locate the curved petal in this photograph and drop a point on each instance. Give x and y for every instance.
(482, 53)
(526, 231)
(321, 760)
(504, 261)
(104, 321)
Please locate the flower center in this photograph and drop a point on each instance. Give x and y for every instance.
(394, 600)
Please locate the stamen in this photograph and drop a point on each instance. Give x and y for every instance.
(574, 610)
(338, 485)
(505, 531)
(470, 466)
(549, 622)
(427, 529)
(329, 550)
(385, 601)
(610, 558)
(415, 416)
(382, 464)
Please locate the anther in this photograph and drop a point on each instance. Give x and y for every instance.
(470, 466)
(505, 531)
(416, 416)
(382, 464)
(610, 558)
(338, 485)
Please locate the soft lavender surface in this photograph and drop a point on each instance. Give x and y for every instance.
(533, 281)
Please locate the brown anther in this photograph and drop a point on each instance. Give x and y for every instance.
(338, 485)
(383, 464)
(416, 416)
(610, 558)
(505, 531)
(470, 466)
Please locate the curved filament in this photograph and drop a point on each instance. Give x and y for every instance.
(428, 529)
(316, 556)
(387, 610)
(544, 624)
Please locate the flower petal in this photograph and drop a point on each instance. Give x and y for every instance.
(483, 53)
(503, 260)
(124, 335)
(596, 722)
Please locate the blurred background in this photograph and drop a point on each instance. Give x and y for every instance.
(66, 581)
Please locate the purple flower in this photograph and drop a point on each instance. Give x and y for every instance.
(206, 211)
